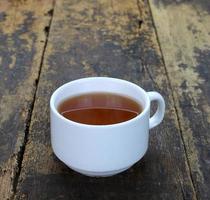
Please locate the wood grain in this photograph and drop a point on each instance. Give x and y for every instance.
(104, 38)
(184, 34)
(22, 39)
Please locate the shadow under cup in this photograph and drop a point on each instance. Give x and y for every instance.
(100, 150)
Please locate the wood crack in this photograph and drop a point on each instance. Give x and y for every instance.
(150, 76)
(21, 152)
(174, 104)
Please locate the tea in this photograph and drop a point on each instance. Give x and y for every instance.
(99, 108)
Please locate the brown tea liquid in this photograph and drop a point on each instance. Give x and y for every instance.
(99, 108)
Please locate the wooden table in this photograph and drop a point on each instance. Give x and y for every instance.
(162, 45)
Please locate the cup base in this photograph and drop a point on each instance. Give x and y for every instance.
(99, 174)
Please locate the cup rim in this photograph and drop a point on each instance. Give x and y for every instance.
(139, 116)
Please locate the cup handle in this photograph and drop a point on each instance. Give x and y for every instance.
(159, 114)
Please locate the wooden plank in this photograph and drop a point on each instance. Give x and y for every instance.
(22, 39)
(104, 38)
(184, 33)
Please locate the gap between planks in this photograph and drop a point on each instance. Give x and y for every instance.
(173, 99)
(21, 152)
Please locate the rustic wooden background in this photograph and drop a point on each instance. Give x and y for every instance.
(162, 45)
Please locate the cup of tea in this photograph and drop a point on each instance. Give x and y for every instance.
(100, 125)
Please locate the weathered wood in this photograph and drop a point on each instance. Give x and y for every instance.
(184, 33)
(104, 38)
(22, 40)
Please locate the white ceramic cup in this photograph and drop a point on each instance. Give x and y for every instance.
(103, 150)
